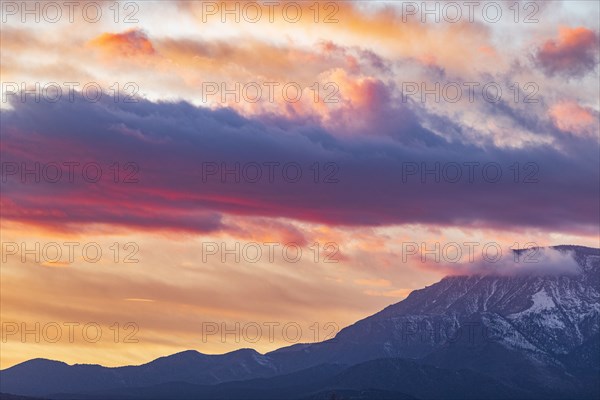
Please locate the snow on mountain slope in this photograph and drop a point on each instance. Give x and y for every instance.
(553, 313)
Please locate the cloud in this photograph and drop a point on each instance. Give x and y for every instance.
(341, 180)
(573, 54)
(133, 42)
(397, 294)
(532, 261)
(569, 116)
(373, 282)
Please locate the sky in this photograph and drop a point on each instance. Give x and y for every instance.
(224, 175)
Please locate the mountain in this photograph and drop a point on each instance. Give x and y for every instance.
(385, 378)
(526, 335)
(41, 377)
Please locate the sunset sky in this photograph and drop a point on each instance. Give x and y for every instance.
(343, 161)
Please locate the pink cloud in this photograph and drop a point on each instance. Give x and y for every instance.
(569, 116)
(574, 53)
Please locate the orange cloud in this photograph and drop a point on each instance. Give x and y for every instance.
(373, 282)
(130, 43)
(399, 294)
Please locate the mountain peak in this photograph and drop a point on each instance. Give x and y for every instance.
(41, 363)
(243, 352)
